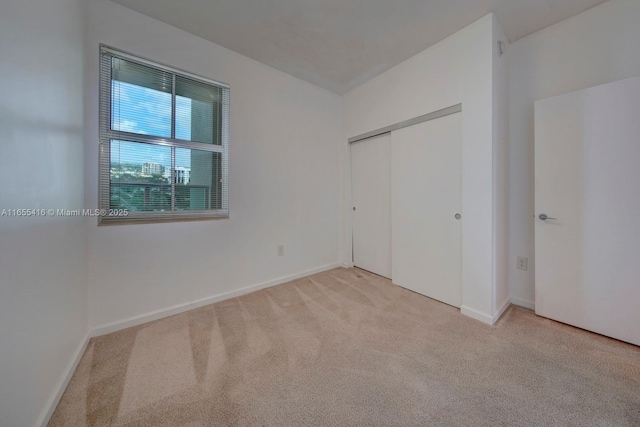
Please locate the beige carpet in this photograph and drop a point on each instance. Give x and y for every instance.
(347, 348)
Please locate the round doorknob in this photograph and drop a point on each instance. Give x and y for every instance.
(458, 216)
(354, 208)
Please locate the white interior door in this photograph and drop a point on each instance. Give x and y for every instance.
(371, 195)
(426, 196)
(587, 178)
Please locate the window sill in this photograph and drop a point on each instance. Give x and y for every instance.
(146, 219)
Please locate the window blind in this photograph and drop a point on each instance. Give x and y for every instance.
(164, 140)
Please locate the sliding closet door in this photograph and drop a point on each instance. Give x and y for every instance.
(426, 206)
(371, 194)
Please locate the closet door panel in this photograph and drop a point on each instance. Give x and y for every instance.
(371, 195)
(426, 207)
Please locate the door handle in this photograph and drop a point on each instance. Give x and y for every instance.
(545, 217)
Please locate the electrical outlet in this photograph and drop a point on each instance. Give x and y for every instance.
(281, 250)
(523, 263)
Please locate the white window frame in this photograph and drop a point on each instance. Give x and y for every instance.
(108, 216)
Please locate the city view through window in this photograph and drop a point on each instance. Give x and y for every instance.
(141, 173)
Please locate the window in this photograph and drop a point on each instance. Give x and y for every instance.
(163, 142)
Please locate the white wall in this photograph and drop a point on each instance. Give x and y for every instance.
(501, 297)
(284, 181)
(43, 294)
(456, 70)
(595, 47)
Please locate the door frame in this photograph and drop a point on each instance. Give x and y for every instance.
(406, 123)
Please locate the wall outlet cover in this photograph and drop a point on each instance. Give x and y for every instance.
(523, 263)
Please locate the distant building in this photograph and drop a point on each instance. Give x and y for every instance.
(152, 169)
(183, 175)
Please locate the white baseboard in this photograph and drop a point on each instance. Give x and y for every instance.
(181, 308)
(53, 401)
(523, 303)
(483, 317)
(347, 265)
(501, 310)
(475, 314)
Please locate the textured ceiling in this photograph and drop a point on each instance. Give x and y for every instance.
(340, 44)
